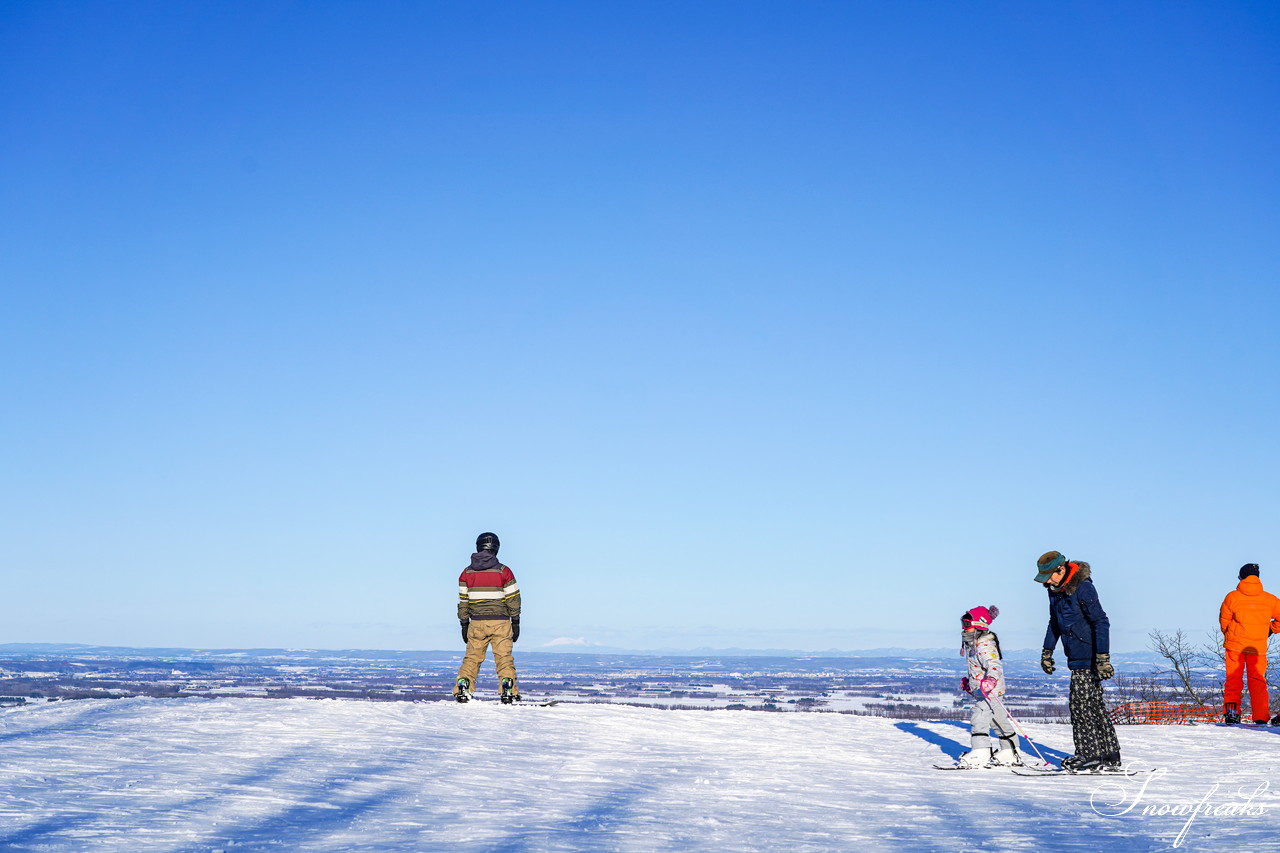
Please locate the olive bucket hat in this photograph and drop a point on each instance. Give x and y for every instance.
(1049, 562)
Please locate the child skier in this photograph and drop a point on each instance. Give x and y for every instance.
(985, 683)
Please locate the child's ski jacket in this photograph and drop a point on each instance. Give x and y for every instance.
(984, 662)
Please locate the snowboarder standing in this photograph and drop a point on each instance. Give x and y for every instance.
(489, 611)
(1076, 616)
(985, 683)
(1248, 617)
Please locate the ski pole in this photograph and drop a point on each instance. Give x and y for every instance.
(1017, 728)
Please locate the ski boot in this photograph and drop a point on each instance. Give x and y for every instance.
(1232, 715)
(1007, 755)
(508, 694)
(462, 692)
(1275, 721)
(975, 759)
(1078, 764)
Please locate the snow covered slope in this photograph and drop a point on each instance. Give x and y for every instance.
(305, 775)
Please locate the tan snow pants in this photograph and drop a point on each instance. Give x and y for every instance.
(480, 635)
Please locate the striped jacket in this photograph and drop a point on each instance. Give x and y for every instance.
(487, 590)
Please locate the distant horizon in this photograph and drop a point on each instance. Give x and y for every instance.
(886, 652)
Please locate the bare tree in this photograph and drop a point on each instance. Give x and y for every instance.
(1185, 660)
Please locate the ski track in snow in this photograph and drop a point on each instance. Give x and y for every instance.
(143, 775)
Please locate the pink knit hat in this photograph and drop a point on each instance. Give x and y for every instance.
(980, 617)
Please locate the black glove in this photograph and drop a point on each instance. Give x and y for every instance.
(1046, 661)
(465, 623)
(515, 628)
(1102, 663)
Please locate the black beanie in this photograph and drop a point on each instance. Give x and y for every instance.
(1248, 569)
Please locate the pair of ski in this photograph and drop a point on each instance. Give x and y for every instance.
(1092, 774)
(1043, 770)
(985, 767)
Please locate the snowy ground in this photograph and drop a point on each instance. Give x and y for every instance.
(242, 774)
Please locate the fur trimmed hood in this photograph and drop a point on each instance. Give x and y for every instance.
(1074, 579)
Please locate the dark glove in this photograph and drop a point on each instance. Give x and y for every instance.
(466, 623)
(515, 628)
(1046, 661)
(964, 684)
(1102, 663)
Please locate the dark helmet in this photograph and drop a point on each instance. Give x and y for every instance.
(487, 542)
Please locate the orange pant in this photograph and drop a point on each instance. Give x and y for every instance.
(1256, 664)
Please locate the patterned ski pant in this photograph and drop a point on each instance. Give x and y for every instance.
(1091, 728)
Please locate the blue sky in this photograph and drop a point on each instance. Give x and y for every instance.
(770, 325)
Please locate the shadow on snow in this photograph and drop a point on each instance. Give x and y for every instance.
(954, 749)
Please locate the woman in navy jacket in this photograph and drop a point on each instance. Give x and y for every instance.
(1076, 617)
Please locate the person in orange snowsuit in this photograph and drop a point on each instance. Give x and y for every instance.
(1248, 617)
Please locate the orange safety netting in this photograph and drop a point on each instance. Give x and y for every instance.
(1147, 713)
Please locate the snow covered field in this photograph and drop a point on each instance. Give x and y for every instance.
(241, 774)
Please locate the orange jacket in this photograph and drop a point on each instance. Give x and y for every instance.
(1248, 616)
